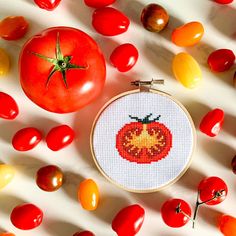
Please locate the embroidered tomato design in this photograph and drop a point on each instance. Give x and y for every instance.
(144, 141)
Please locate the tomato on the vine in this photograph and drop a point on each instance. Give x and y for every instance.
(98, 3)
(124, 57)
(176, 213)
(13, 27)
(144, 141)
(212, 190)
(48, 5)
(62, 69)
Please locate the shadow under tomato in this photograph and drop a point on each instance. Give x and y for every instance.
(197, 111)
(153, 201)
(223, 18)
(85, 117)
(191, 179)
(229, 124)
(109, 206)
(210, 215)
(71, 184)
(8, 202)
(27, 165)
(81, 12)
(220, 152)
(60, 228)
(160, 57)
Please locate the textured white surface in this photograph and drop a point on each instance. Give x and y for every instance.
(63, 214)
(143, 177)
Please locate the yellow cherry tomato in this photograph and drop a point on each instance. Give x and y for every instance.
(4, 62)
(7, 173)
(187, 70)
(88, 195)
(188, 34)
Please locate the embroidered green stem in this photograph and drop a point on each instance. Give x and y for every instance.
(146, 119)
(61, 63)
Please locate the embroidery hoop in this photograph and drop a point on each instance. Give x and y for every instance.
(143, 88)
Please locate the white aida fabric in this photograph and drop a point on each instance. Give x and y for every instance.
(143, 141)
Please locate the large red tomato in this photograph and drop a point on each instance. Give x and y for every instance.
(144, 141)
(62, 69)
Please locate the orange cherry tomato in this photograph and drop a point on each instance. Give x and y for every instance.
(88, 195)
(188, 34)
(227, 225)
(7, 234)
(13, 27)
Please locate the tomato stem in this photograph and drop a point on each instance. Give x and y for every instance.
(179, 210)
(218, 194)
(61, 63)
(146, 119)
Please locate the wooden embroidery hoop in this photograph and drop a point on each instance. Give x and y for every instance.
(143, 86)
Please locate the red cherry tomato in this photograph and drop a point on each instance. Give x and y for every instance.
(48, 5)
(224, 1)
(174, 213)
(62, 69)
(8, 107)
(221, 60)
(124, 57)
(128, 221)
(212, 122)
(59, 137)
(109, 21)
(26, 216)
(213, 190)
(26, 139)
(13, 27)
(98, 3)
(84, 233)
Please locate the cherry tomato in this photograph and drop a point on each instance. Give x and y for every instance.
(59, 137)
(7, 173)
(98, 3)
(26, 139)
(84, 233)
(8, 107)
(66, 79)
(109, 21)
(233, 164)
(128, 220)
(213, 190)
(4, 62)
(88, 195)
(224, 1)
(154, 17)
(7, 234)
(175, 212)
(48, 5)
(124, 57)
(212, 122)
(188, 34)
(26, 216)
(49, 178)
(227, 225)
(221, 60)
(13, 27)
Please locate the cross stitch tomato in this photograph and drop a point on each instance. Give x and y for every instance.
(144, 141)
(62, 69)
(48, 5)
